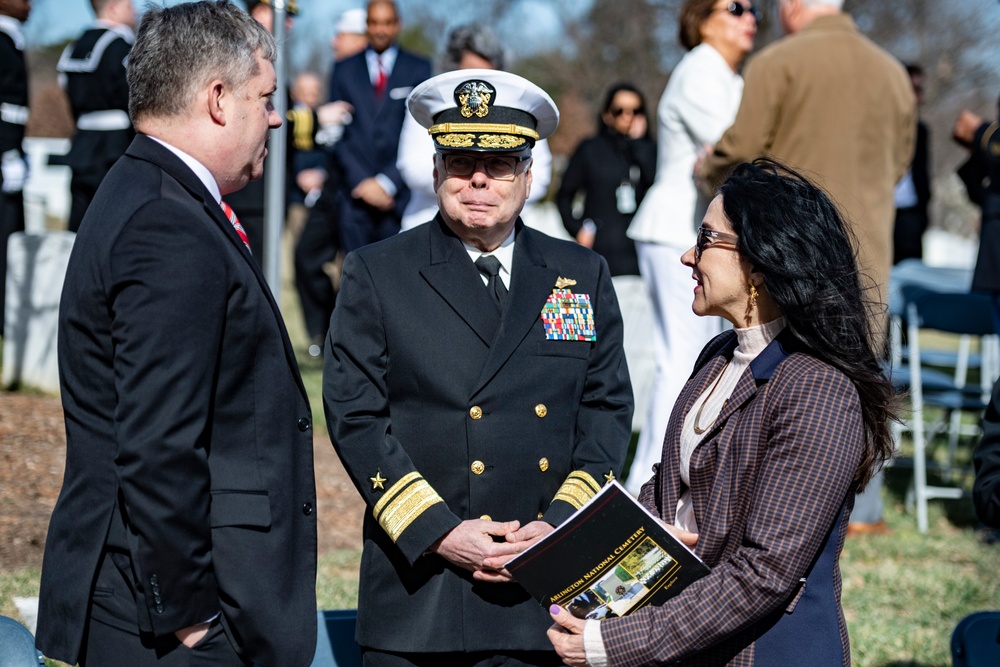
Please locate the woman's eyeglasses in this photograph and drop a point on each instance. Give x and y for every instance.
(500, 167)
(738, 9)
(618, 111)
(707, 238)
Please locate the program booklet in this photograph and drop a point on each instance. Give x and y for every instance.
(608, 559)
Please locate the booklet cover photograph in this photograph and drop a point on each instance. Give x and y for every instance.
(607, 560)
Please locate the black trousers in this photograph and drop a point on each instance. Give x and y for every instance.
(907, 235)
(113, 639)
(11, 220)
(82, 188)
(317, 246)
(374, 658)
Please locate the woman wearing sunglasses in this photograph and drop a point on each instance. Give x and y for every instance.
(698, 105)
(612, 172)
(782, 421)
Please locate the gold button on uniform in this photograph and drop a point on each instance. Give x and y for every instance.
(541, 410)
(477, 467)
(476, 412)
(543, 464)
(486, 517)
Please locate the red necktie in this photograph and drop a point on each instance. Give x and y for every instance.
(231, 214)
(383, 81)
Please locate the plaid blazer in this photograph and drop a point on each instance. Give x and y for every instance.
(771, 487)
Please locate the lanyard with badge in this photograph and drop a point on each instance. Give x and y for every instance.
(625, 193)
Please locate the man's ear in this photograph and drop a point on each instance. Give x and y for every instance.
(217, 99)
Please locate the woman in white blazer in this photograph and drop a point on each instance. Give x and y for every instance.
(698, 105)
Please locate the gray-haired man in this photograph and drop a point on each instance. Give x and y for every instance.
(185, 532)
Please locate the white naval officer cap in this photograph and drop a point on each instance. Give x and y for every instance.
(353, 22)
(483, 110)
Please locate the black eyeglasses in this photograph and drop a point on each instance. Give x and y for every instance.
(737, 9)
(707, 238)
(618, 111)
(500, 167)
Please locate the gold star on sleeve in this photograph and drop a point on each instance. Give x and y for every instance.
(610, 477)
(377, 481)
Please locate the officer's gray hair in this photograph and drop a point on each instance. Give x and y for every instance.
(474, 38)
(179, 49)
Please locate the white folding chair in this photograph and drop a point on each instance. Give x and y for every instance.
(963, 314)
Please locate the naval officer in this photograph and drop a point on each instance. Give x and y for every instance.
(475, 389)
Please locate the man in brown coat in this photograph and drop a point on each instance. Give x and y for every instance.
(830, 103)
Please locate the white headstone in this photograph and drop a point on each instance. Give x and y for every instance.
(36, 267)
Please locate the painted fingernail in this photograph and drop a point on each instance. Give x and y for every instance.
(555, 609)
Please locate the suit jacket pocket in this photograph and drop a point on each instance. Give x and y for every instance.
(241, 508)
(579, 349)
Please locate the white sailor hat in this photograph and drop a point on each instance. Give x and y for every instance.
(483, 110)
(353, 22)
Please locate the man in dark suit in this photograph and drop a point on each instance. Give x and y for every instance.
(13, 117)
(92, 70)
(375, 83)
(475, 388)
(185, 530)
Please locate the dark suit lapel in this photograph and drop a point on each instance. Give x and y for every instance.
(399, 77)
(146, 149)
(531, 284)
(218, 215)
(454, 277)
(366, 91)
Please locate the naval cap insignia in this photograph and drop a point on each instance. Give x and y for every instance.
(562, 283)
(474, 98)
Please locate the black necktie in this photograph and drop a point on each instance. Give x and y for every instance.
(489, 266)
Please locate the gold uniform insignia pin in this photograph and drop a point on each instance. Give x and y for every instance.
(377, 481)
(610, 477)
(563, 283)
(474, 99)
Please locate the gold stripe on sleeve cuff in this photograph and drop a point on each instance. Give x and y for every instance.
(578, 488)
(405, 500)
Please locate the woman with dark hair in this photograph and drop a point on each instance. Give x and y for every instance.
(612, 172)
(698, 105)
(784, 419)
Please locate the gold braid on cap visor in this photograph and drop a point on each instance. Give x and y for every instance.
(500, 128)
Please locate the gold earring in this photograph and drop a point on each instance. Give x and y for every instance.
(753, 294)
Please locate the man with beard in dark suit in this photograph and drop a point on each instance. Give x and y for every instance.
(475, 389)
(375, 83)
(185, 532)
